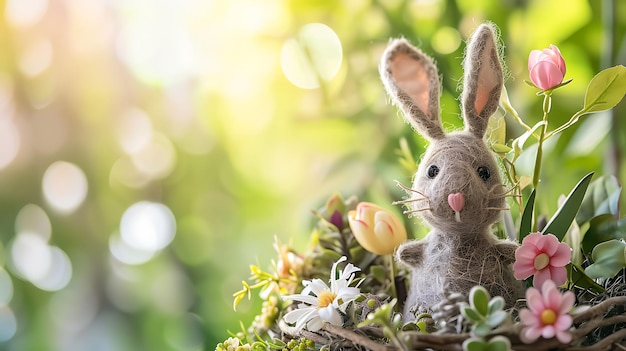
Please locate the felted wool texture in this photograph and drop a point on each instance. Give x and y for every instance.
(457, 254)
(480, 104)
(408, 60)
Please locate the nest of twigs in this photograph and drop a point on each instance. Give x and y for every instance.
(606, 319)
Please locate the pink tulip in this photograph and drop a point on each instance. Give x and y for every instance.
(547, 67)
(544, 257)
(376, 229)
(547, 314)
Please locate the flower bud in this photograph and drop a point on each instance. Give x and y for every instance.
(376, 229)
(547, 67)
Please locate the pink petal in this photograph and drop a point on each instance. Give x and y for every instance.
(533, 58)
(548, 244)
(530, 334)
(562, 256)
(558, 274)
(528, 318)
(546, 75)
(560, 61)
(564, 337)
(532, 239)
(541, 277)
(567, 302)
(548, 332)
(522, 272)
(546, 288)
(526, 253)
(563, 322)
(534, 301)
(552, 298)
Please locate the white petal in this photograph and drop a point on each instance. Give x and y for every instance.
(330, 315)
(311, 300)
(302, 321)
(348, 293)
(333, 272)
(315, 324)
(318, 286)
(295, 315)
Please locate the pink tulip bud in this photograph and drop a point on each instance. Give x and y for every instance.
(376, 229)
(547, 67)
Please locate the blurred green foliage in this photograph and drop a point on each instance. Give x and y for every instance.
(183, 107)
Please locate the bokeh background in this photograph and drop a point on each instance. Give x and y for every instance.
(150, 150)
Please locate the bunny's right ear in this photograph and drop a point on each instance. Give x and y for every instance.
(411, 79)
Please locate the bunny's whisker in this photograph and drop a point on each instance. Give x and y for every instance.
(417, 210)
(506, 193)
(406, 188)
(403, 202)
(497, 208)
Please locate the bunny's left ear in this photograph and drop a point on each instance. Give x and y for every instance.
(483, 79)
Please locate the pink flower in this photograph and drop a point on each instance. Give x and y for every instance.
(376, 229)
(544, 257)
(547, 314)
(547, 67)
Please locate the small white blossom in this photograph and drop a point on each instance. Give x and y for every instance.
(321, 303)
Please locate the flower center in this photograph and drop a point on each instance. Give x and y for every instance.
(325, 298)
(548, 317)
(541, 261)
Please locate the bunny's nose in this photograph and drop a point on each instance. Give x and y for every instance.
(456, 201)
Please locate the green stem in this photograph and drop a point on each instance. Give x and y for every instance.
(547, 103)
(392, 273)
(568, 124)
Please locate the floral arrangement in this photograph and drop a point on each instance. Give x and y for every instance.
(345, 292)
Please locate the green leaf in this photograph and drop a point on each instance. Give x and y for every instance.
(602, 198)
(496, 318)
(496, 129)
(378, 272)
(518, 144)
(500, 148)
(609, 258)
(606, 89)
(481, 329)
(471, 314)
(479, 299)
(496, 304)
(527, 217)
(603, 228)
(562, 219)
(474, 344)
(579, 278)
(499, 343)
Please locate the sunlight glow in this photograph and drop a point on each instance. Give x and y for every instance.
(33, 219)
(64, 186)
(148, 226)
(6, 288)
(8, 323)
(315, 55)
(134, 130)
(9, 141)
(36, 57)
(25, 13)
(127, 254)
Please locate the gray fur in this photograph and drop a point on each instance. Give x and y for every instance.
(455, 256)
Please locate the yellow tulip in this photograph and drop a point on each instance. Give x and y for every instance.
(376, 229)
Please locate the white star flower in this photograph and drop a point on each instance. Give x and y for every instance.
(321, 303)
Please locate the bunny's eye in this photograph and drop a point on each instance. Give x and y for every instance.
(432, 171)
(484, 173)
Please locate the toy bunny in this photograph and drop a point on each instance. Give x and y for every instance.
(457, 188)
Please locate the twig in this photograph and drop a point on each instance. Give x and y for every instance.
(604, 344)
(357, 338)
(600, 308)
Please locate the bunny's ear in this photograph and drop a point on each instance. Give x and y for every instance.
(411, 80)
(483, 79)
